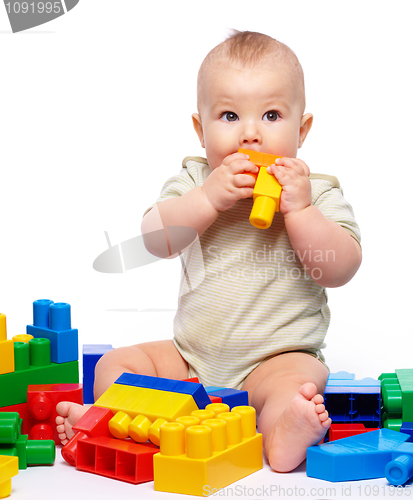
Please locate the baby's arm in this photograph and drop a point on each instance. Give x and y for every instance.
(309, 231)
(200, 207)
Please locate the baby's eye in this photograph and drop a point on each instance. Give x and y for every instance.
(229, 116)
(271, 116)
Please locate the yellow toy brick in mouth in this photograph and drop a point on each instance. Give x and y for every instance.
(267, 190)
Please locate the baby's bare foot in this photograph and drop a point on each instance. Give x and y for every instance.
(302, 424)
(68, 415)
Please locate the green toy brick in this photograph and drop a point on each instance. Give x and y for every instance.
(33, 367)
(406, 384)
(14, 385)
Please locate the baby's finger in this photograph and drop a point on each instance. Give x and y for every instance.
(234, 156)
(244, 180)
(294, 163)
(239, 166)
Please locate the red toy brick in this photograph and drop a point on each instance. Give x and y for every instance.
(340, 431)
(94, 423)
(215, 399)
(118, 459)
(41, 402)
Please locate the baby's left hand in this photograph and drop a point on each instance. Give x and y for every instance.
(293, 175)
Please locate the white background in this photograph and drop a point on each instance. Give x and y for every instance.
(95, 114)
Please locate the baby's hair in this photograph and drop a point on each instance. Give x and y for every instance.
(250, 48)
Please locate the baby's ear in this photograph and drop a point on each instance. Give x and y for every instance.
(196, 121)
(305, 126)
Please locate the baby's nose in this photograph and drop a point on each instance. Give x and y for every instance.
(250, 134)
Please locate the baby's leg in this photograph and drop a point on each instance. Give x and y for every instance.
(286, 391)
(158, 359)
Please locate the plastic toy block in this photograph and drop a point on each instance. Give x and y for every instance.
(22, 410)
(201, 459)
(231, 397)
(13, 443)
(197, 391)
(23, 337)
(400, 469)
(194, 380)
(352, 401)
(341, 376)
(397, 398)
(267, 190)
(122, 460)
(93, 423)
(33, 366)
(406, 384)
(6, 349)
(6, 356)
(407, 428)
(9, 467)
(357, 457)
(212, 388)
(42, 401)
(52, 321)
(91, 355)
(341, 431)
(215, 399)
(151, 403)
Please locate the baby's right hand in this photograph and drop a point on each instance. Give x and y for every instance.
(227, 183)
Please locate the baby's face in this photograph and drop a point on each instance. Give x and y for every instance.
(257, 108)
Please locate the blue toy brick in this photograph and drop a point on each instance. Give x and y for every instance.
(407, 428)
(341, 376)
(52, 321)
(231, 397)
(400, 469)
(195, 390)
(364, 456)
(91, 355)
(211, 388)
(353, 401)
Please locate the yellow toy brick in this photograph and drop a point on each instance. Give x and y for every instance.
(152, 403)
(3, 328)
(267, 190)
(9, 467)
(204, 458)
(6, 349)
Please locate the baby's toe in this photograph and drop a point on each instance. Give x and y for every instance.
(60, 420)
(63, 408)
(318, 399)
(308, 390)
(320, 408)
(61, 429)
(326, 424)
(323, 416)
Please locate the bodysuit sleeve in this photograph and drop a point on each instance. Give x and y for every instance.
(327, 196)
(193, 173)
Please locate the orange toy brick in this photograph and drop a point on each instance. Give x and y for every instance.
(267, 190)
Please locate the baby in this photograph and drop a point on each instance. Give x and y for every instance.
(258, 319)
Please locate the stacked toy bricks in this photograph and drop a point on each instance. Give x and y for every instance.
(47, 355)
(397, 397)
(147, 428)
(353, 405)
(366, 453)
